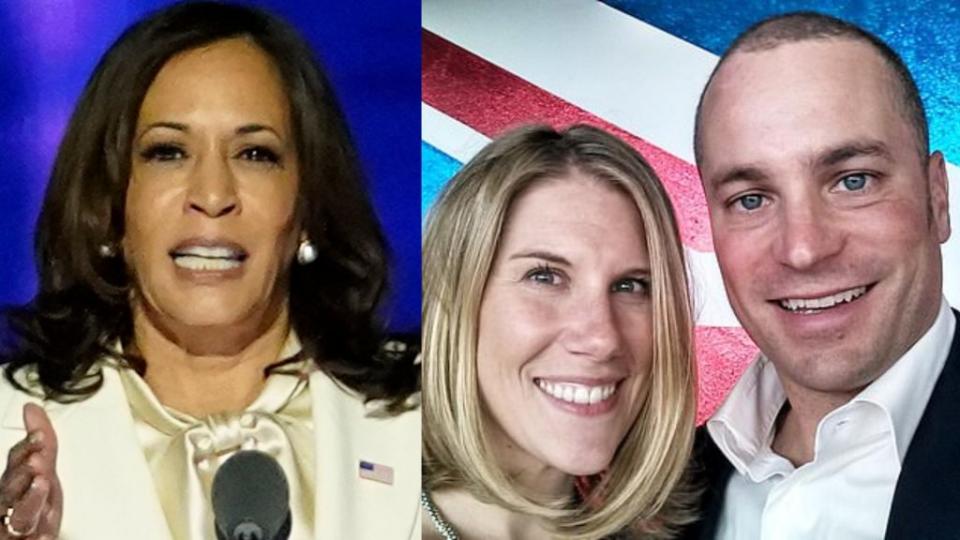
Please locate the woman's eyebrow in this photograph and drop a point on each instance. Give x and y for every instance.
(539, 254)
(164, 124)
(253, 128)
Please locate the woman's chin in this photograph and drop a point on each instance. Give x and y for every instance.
(209, 319)
(586, 469)
(583, 461)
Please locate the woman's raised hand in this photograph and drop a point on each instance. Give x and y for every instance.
(31, 501)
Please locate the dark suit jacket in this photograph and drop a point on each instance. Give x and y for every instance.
(926, 502)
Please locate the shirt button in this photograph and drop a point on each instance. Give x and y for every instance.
(248, 421)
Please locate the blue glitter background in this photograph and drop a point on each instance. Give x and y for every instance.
(437, 169)
(926, 34)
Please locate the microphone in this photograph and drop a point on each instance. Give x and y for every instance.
(251, 499)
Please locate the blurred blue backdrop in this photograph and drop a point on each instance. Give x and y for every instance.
(371, 51)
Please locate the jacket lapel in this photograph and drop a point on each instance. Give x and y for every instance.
(107, 486)
(109, 491)
(927, 497)
(347, 432)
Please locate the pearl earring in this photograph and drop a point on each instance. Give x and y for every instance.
(307, 252)
(107, 250)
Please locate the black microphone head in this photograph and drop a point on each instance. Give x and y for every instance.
(251, 499)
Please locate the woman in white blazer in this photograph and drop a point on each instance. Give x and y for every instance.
(210, 269)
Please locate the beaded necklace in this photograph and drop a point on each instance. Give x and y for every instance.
(444, 528)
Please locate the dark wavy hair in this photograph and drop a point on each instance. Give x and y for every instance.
(82, 306)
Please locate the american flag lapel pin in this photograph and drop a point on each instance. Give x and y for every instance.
(376, 472)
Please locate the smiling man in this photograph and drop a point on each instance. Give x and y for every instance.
(828, 213)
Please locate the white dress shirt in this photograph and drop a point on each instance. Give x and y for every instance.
(846, 491)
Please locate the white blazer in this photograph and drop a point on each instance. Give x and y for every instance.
(108, 488)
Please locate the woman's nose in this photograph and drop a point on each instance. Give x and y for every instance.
(213, 189)
(593, 331)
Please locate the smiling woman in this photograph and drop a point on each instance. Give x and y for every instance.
(210, 271)
(558, 365)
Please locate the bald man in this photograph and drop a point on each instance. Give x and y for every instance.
(828, 212)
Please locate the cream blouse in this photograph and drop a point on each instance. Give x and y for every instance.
(184, 452)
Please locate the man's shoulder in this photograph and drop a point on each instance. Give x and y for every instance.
(928, 490)
(941, 415)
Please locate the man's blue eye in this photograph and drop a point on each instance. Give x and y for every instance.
(854, 182)
(750, 202)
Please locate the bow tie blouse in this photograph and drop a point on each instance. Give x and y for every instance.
(184, 452)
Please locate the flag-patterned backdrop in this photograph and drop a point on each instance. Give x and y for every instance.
(636, 68)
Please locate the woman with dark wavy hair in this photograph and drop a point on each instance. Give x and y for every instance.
(210, 268)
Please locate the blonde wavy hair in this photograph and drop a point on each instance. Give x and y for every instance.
(644, 489)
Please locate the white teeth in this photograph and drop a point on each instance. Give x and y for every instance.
(810, 304)
(208, 258)
(212, 252)
(191, 262)
(577, 393)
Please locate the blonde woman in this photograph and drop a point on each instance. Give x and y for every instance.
(559, 383)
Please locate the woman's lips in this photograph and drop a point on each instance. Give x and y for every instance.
(587, 399)
(205, 264)
(216, 258)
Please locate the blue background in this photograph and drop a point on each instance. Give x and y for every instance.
(925, 33)
(371, 51)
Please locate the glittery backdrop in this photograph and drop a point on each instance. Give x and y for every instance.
(925, 33)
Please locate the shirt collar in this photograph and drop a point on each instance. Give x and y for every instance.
(743, 426)
(904, 389)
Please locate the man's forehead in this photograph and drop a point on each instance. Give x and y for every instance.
(795, 77)
(800, 60)
(795, 100)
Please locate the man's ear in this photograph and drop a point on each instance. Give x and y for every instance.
(937, 184)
